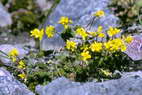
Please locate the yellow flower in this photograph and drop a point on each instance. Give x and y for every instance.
(50, 31)
(113, 31)
(71, 45)
(82, 33)
(101, 35)
(37, 33)
(115, 45)
(22, 76)
(14, 52)
(65, 21)
(21, 65)
(96, 47)
(100, 29)
(129, 39)
(99, 13)
(85, 55)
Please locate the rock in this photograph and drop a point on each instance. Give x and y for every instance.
(130, 84)
(134, 49)
(44, 4)
(6, 49)
(80, 12)
(131, 74)
(22, 39)
(10, 86)
(57, 86)
(5, 17)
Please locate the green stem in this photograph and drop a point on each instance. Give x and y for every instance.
(4, 56)
(37, 44)
(140, 21)
(3, 53)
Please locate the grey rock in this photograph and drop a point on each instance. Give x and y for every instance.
(135, 27)
(134, 49)
(5, 17)
(80, 12)
(6, 48)
(128, 84)
(131, 74)
(57, 86)
(10, 86)
(44, 4)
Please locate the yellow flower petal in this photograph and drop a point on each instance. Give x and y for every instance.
(50, 31)
(85, 55)
(71, 45)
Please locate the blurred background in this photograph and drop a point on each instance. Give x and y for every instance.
(18, 18)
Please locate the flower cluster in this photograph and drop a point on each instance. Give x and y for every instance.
(115, 45)
(50, 30)
(101, 49)
(13, 54)
(92, 47)
(111, 44)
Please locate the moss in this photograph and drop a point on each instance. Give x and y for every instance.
(4, 2)
(127, 10)
(22, 4)
(24, 21)
(26, 15)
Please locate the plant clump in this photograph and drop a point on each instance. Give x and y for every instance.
(87, 55)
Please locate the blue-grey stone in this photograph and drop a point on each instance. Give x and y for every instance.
(44, 4)
(80, 12)
(10, 86)
(5, 17)
(128, 84)
(6, 48)
(134, 49)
